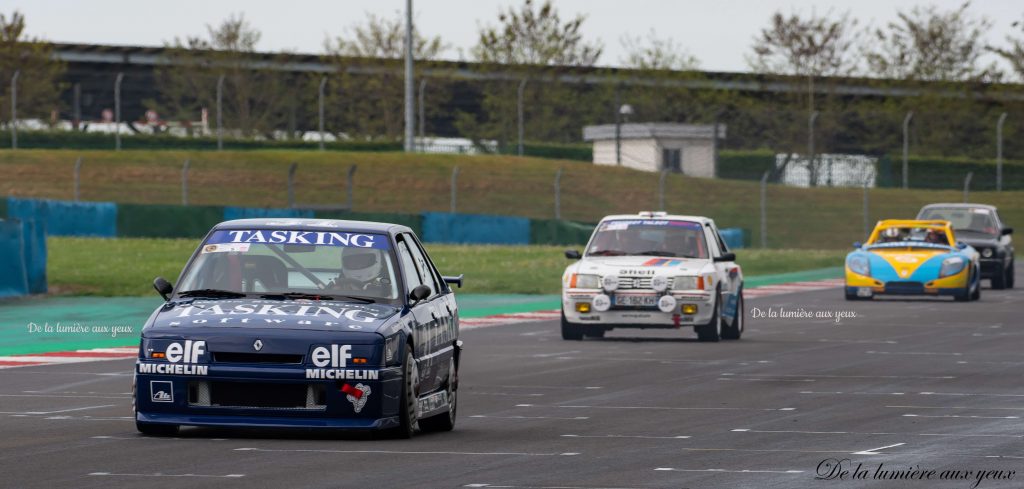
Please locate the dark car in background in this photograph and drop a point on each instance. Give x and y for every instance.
(979, 226)
(305, 323)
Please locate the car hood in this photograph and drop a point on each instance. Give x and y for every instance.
(192, 316)
(641, 265)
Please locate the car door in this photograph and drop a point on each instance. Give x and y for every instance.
(726, 272)
(421, 311)
(433, 360)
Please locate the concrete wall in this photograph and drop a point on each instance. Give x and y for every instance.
(698, 155)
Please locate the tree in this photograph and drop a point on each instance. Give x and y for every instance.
(1014, 54)
(257, 99)
(932, 45)
(38, 85)
(371, 104)
(532, 36)
(654, 53)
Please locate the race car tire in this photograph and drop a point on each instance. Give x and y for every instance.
(445, 421)
(734, 329)
(976, 295)
(712, 331)
(150, 429)
(855, 297)
(999, 279)
(1009, 276)
(967, 293)
(407, 399)
(571, 331)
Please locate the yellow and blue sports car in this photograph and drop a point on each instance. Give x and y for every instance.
(907, 257)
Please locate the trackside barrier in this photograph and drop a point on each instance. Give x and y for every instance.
(733, 237)
(64, 218)
(22, 258)
(166, 221)
(256, 213)
(412, 221)
(474, 228)
(555, 232)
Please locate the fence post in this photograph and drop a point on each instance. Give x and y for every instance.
(117, 111)
(76, 102)
(350, 183)
(812, 168)
(519, 111)
(323, 83)
(764, 210)
(423, 115)
(291, 184)
(661, 190)
(558, 194)
(867, 217)
(184, 182)
(455, 177)
(220, 113)
(78, 173)
(906, 149)
(14, 109)
(999, 152)
(967, 185)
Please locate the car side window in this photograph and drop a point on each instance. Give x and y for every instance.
(409, 272)
(441, 285)
(718, 240)
(426, 273)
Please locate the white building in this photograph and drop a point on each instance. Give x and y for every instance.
(690, 149)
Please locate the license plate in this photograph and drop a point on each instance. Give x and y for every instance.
(636, 300)
(864, 292)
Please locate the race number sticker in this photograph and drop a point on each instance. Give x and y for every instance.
(226, 247)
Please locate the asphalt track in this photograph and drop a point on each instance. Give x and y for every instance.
(928, 384)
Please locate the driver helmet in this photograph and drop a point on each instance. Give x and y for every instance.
(891, 233)
(360, 264)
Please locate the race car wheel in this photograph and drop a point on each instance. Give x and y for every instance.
(445, 421)
(712, 331)
(1009, 276)
(571, 331)
(999, 279)
(976, 295)
(734, 329)
(407, 400)
(967, 293)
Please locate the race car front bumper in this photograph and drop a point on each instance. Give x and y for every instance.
(578, 306)
(272, 397)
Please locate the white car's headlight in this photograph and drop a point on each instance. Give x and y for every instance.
(684, 283)
(582, 281)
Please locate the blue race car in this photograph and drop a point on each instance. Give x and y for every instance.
(302, 323)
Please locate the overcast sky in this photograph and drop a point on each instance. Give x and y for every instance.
(718, 32)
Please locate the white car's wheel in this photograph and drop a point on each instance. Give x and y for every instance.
(712, 331)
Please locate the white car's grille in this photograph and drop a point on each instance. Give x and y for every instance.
(638, 283)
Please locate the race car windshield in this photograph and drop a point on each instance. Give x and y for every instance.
(678, 239)
(974, 220)
(912, 236)
(291, 263)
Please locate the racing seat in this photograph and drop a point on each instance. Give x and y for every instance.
(267, 272)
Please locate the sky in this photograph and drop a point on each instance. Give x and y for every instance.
(718, 32)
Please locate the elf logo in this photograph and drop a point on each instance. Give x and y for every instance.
(189, 353)
(335, 357)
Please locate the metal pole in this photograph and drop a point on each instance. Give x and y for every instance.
(558, 194)
(455, 176)
(810, 149)
(323, 84)
(14, 109)
(764, 210)
(117, 111)
(906, 148)
(999, 152)
(184, 182)
(661, 190)
(410, 120)
(519, 112)
(220, 113)
(350, 183)
(967, 185)
(291, 184)
(77, 101)
(618, 129)
(423, 115)
(78, 180)
(867, 220)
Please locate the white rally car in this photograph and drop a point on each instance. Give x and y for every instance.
(653, 270)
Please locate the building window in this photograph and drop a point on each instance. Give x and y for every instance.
(672, 160)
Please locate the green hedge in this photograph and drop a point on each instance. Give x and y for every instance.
(745, 165)
(580, 152)
(83, 140)
(166, 221)
(556, 232)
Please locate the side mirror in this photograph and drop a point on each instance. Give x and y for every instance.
(456, 280)
(419, 293)
(1007, 231)
(573, 254)
(961, 245)
(163, 287)
(726, 257)
(856, 245)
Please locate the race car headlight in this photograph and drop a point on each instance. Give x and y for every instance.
(391, 346)
(610, 282)
(582, 281)
(986, 252)
(859, 265)
(659, 283)
(951, 266)
(685, 283)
